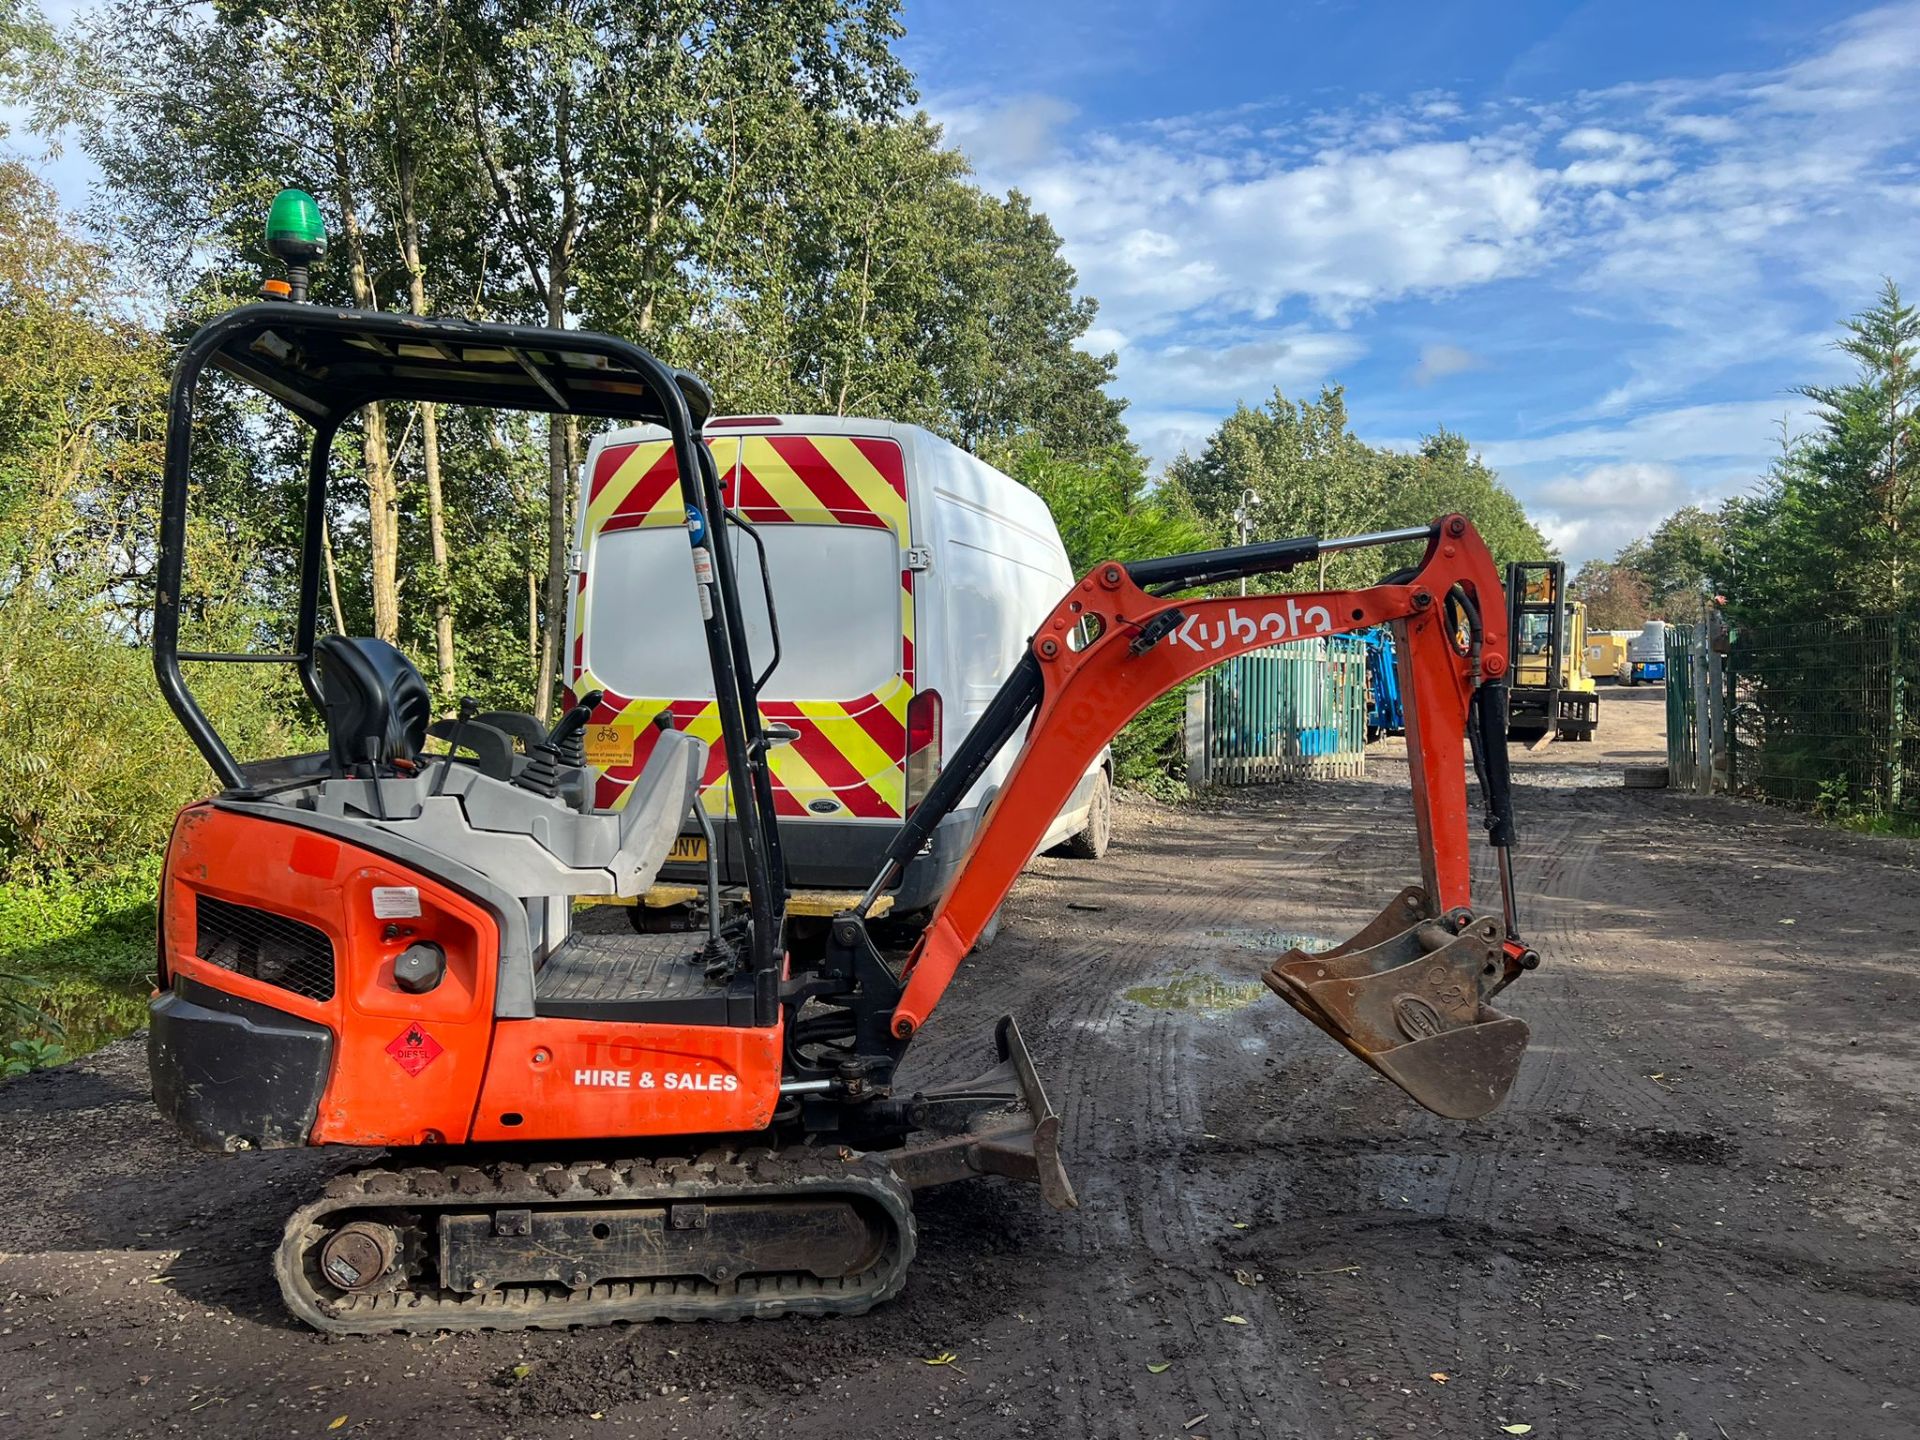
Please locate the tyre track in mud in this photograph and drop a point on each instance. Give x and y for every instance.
(1138, 1075)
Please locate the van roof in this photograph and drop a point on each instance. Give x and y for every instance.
(780, 424)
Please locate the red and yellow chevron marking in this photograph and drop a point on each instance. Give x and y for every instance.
(851, 751)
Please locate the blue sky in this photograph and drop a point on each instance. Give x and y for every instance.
(1605, 241)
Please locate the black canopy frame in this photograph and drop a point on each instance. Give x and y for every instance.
(325, 364)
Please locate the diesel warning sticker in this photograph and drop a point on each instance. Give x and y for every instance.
(413, 1049)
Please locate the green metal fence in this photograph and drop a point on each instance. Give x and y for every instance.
(1824, 716)
(1683, 710)
(1288, 712)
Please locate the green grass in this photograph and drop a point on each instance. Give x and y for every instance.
(76, 962)
(1904, 825)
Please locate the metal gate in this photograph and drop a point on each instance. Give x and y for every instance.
(1288, 712)
(1697, 749)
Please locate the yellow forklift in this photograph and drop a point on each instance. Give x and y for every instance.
(1554, 695)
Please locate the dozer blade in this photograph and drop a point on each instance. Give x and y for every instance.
(1406, 996)
(999, 1123)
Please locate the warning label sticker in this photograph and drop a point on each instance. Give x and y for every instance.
(608, 746)
(396, 902)
(413, 1049)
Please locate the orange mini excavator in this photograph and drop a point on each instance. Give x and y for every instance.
(373, 945)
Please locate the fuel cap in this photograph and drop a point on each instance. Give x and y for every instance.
(419, 967)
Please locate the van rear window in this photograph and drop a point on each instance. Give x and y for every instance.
(836, 589)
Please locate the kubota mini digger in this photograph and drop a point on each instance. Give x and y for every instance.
(373, 945)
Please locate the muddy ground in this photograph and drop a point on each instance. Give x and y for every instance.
(1698, 1215)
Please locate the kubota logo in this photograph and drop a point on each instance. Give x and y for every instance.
(1241, 629)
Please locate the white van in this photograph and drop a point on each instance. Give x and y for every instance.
(907, 579)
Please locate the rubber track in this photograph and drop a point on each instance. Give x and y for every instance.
(718, 1175)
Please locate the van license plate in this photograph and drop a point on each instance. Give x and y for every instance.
(690, 849)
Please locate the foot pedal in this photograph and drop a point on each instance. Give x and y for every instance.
(1408, 996)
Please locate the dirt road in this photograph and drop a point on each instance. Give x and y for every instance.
(1698, 1215)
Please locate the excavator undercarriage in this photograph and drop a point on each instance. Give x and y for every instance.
(374, 946)
(740, 1232)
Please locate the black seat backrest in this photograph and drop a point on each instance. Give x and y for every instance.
(373, 694)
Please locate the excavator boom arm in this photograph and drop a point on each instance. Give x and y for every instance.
(1111, 647)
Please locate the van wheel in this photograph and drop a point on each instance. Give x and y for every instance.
(1091, 843)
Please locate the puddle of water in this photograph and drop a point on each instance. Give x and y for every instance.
(1208, 994)
(1274, 940)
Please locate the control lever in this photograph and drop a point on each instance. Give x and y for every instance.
(567, 739)
(564, 748)
(469, 707)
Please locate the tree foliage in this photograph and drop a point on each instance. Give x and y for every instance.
(1106, 509)
(1614, 594)
(1308, 474)
(737, 185)
(91, 765)
(1834, 532)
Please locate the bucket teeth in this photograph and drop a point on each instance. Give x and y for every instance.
(1406, 995)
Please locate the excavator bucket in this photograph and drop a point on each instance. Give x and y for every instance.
(1407, 995)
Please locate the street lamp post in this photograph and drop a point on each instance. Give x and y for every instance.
(1243, 518)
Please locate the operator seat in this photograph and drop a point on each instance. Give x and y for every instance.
(377, 707)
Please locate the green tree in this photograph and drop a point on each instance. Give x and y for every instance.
(1834, 530)
(1615, 596)
(615, 139)
(1445, 476)
(1679, 563)
(1309, 475)
(1307, 471)
(91, 765)
(1011, 364)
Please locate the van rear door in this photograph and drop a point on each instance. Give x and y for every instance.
(832, 512)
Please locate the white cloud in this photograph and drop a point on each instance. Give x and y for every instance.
(1437, 362)
(1163, 434)
(1593, 513)
(1213, 372)
(1595, 140)
(1592, 488)
(1013, 133)
(1224, 215)
(1613, 158)
(1631, 485)
(1159, 229)
(1871, 54)
(1709, 129)
(1740, 429)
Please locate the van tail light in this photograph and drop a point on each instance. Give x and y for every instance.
(923, 745)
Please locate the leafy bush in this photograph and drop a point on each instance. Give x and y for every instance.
(1106, 510)
(1150, 754)
(74, 963)
(92, 763)
(20, 1056)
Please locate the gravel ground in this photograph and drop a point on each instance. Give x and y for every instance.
(1697, 1215)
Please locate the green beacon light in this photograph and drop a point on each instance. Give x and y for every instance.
(298, 237)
